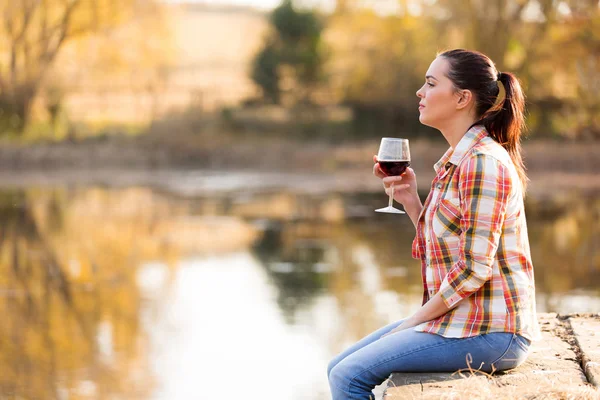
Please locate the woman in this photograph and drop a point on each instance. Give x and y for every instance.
(479, 299)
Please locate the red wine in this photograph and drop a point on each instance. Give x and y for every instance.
(394, 168)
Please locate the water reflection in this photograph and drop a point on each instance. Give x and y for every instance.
(222, 335)
(68, 297)
(566, 252)
(135, 293)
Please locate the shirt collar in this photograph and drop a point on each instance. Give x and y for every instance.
(443, 161)
(466, 143)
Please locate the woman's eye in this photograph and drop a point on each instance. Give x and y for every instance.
(430, 84)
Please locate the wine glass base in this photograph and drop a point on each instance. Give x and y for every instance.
(390, 210)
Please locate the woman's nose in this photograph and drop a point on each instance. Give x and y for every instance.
(419, 93)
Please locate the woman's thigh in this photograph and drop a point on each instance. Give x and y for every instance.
(412, 351)
(362, 343)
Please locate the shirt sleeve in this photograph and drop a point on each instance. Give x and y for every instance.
(484, 187)
(416, 252)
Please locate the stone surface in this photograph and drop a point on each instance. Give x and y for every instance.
(587, 334)
(552, 363)
(424, 386)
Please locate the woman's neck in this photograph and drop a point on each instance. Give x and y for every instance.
(455, 129)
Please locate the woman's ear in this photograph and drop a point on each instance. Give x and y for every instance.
(464, 98)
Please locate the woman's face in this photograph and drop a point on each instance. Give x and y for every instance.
(438, 95)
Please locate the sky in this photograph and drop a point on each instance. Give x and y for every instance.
(264, 4)
(261, 4)
(384, 6)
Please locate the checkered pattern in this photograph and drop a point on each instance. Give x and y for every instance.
(473, 245)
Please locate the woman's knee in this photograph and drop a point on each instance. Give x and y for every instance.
(345, 379)
(330, 366)
(338, 375)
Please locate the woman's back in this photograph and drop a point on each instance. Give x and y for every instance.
(473, 245)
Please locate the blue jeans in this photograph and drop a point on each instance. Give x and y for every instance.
(355, 372)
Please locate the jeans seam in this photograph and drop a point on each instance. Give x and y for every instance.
(512, 340)
(339, 388)
(400, 356)
(523, 347)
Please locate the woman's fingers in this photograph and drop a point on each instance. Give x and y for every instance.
(388, 180)
(397, 188)
(377, 169)
(378, 172)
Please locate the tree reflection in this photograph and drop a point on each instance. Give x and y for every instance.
(563, 237)
(68, 292)
(68, 281)
(309, 255)
(297, 265)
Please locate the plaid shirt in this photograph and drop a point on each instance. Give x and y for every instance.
(472, 242)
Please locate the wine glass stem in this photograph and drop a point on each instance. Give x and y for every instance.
(391, 195)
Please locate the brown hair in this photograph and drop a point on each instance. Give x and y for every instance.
(504, 120)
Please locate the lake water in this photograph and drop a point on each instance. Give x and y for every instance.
(225, 286)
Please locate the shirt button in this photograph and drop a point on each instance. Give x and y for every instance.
(439, 186)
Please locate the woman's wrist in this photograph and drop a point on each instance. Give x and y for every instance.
(413, 208)
(414, 203)
(410, 322)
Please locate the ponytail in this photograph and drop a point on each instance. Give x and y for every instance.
(505, 121)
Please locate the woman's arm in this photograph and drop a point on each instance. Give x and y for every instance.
(413, 209)
(484, 186)
(428, 311)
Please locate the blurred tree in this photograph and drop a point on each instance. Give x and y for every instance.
(378, 61)
(288, 67)
(54, 103)
(376, 66)
(341, 6)
(265, 72)
(585, 28)
(32, 34)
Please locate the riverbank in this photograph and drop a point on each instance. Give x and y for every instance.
(553, 167)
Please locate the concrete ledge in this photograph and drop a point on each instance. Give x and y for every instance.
(566, 360)
(586, 331)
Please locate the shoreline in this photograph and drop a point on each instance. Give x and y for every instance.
(198, 166)
(201, 181)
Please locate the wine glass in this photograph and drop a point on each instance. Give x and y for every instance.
(393, 158)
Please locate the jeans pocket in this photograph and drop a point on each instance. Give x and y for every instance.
(515, 354)
(498, 340)
(523, 343)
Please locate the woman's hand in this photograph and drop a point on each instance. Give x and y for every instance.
(434, 308)
(407, 324)
(405, 190)
(405, 185)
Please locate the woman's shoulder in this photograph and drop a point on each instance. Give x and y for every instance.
(489, 160)
(488, 148)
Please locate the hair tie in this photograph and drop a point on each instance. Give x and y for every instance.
(499, 76)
